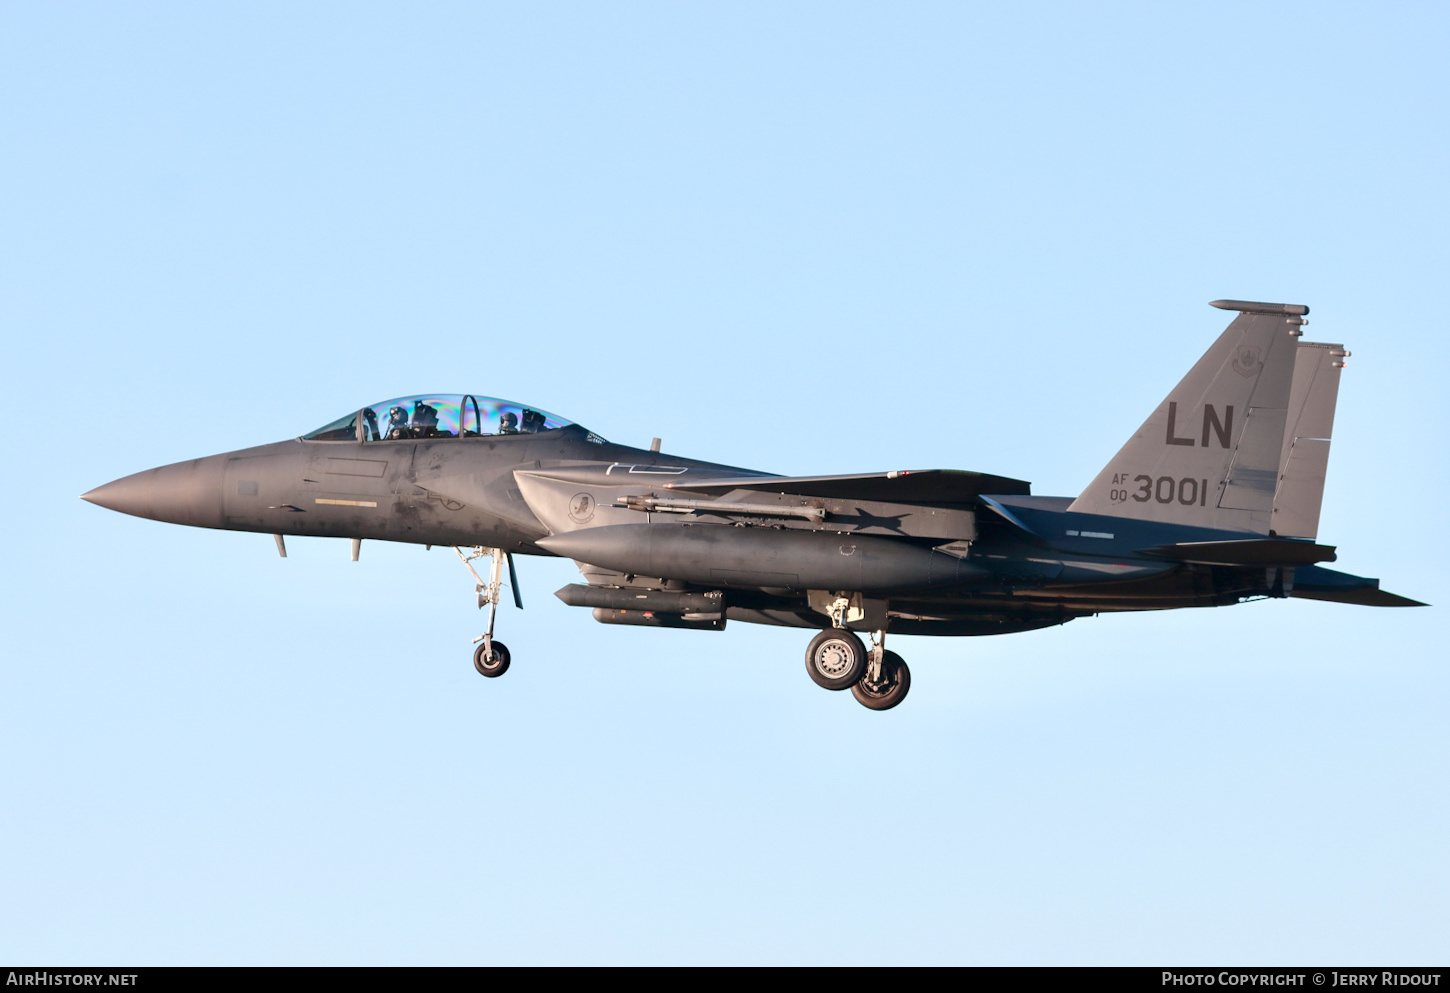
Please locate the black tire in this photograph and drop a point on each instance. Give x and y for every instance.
(895, 684)
(835, 659)
(494, 667)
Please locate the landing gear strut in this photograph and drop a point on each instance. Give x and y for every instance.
(491, 658)
(886, 680)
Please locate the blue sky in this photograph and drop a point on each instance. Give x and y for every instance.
(804, 238)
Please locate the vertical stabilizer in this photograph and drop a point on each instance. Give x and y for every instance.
(1209, 455)
(1304, 456)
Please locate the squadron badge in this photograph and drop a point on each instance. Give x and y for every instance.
(581, 508)
(1246, 361)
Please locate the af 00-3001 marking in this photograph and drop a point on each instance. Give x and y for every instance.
(1165, 489)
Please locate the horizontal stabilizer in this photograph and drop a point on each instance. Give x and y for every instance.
(904, 486)
(1246, 552)
(1367, 597)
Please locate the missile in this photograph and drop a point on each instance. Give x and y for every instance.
(576, 595)
(650, 619)
(720, 555)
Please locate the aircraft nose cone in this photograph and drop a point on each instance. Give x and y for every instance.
(128, 495)
(184, 493)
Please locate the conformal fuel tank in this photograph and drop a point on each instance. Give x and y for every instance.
(721, 555)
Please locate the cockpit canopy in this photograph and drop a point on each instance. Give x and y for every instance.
(439, 415)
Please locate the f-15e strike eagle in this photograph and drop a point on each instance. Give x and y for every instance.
(1213, 501)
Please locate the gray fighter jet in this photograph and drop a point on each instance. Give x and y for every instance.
(1213, 501)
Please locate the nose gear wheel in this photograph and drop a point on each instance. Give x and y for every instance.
(492, 664)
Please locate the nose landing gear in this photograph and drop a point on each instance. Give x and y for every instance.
(491, 658)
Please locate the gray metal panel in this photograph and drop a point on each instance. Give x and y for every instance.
(1304, 455)
(1208, 455)
(1254, 471)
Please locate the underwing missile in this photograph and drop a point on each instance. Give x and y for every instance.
(651, 619)
(576, 595)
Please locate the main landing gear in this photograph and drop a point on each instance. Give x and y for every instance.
(836, 659)
(491, 658)
(887, 687)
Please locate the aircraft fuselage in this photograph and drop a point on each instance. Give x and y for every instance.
(1214, 500)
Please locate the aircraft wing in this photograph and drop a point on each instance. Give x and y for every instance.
(929, 486)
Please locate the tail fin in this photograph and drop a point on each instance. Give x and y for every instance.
(1305, 453)
(1209, 456)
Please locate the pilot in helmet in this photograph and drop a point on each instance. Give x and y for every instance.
(398, 422)
(425, 419)
(508, 423)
